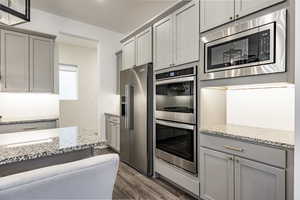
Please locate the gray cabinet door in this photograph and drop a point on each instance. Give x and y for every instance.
(246, 7)
(144, 47)
(216, 175)
(258, 181)
(163, 43)
(14, 62)
(41, 64)
(186, 33)
(215, 13)
(128, 57)
(108, 130)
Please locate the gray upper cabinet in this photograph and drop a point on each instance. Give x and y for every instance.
(27, 61)
(163, 44)
(246, 7)
(144, 47)
(258, 181)
(14, 62)
(41, 64)
(128, 49)
(216, 175)
(215, 13)
(186, 33)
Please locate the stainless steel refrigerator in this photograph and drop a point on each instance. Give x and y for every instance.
(136, 137)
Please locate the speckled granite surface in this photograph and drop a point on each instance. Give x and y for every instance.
(11, 121)
(271, 137)
(17, 147)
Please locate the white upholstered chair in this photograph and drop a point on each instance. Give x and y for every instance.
(91, 178)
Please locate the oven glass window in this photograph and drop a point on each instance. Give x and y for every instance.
(176, 141)
(254, 49)
(175, 97)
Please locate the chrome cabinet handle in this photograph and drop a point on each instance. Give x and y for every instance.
(233, 148)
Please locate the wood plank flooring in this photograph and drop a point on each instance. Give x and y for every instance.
(130, 184)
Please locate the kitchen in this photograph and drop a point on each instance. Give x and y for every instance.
(202, 97)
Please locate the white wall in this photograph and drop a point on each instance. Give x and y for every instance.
(82, 112)
(108, 45)
(21, 105)
(272, 108)
(297, 83)
(266, 108)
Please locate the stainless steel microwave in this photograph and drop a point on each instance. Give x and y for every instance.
(255, 47)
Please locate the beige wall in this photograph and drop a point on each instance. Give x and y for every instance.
(82, 112)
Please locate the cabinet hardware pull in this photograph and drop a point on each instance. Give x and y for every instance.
(237, 160)
(230, 158)
(237, 16)
(230, 18)
(233, 148)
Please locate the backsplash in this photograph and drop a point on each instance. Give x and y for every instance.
(272, 107)
(265, 108)
(23, 105)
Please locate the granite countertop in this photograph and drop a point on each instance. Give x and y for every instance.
(17, 147)
(271, 137)
(10, 121)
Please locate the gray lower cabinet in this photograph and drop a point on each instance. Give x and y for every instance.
(217, 175)
(228, 177)
(112, 124)
(23, 127)
(254, 180)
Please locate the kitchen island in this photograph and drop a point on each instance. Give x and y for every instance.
(30, 150)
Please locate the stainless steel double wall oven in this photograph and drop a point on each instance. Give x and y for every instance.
(176, 117)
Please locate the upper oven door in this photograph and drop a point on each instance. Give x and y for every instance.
(176, 100)
(249, 48)
(254, 47)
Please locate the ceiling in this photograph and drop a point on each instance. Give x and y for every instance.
(117, 15)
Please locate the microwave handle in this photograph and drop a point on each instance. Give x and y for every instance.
(175, 125)
(129, 93)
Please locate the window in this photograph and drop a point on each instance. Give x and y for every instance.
(68, 82)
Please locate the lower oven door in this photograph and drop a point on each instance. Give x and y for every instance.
(177, 143)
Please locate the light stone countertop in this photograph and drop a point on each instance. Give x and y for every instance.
(20, 120)
(271, 137)
(17, 147)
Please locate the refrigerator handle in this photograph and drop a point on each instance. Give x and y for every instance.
(129, 93)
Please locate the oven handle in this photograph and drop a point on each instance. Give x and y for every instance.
(176, 80)
(176, 125)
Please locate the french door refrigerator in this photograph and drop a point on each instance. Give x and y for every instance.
(136, 131)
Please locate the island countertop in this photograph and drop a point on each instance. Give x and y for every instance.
(21, 146)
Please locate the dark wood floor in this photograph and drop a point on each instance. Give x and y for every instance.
(130, 184)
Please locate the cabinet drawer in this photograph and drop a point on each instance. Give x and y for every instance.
(11, 128)
(268, 155)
